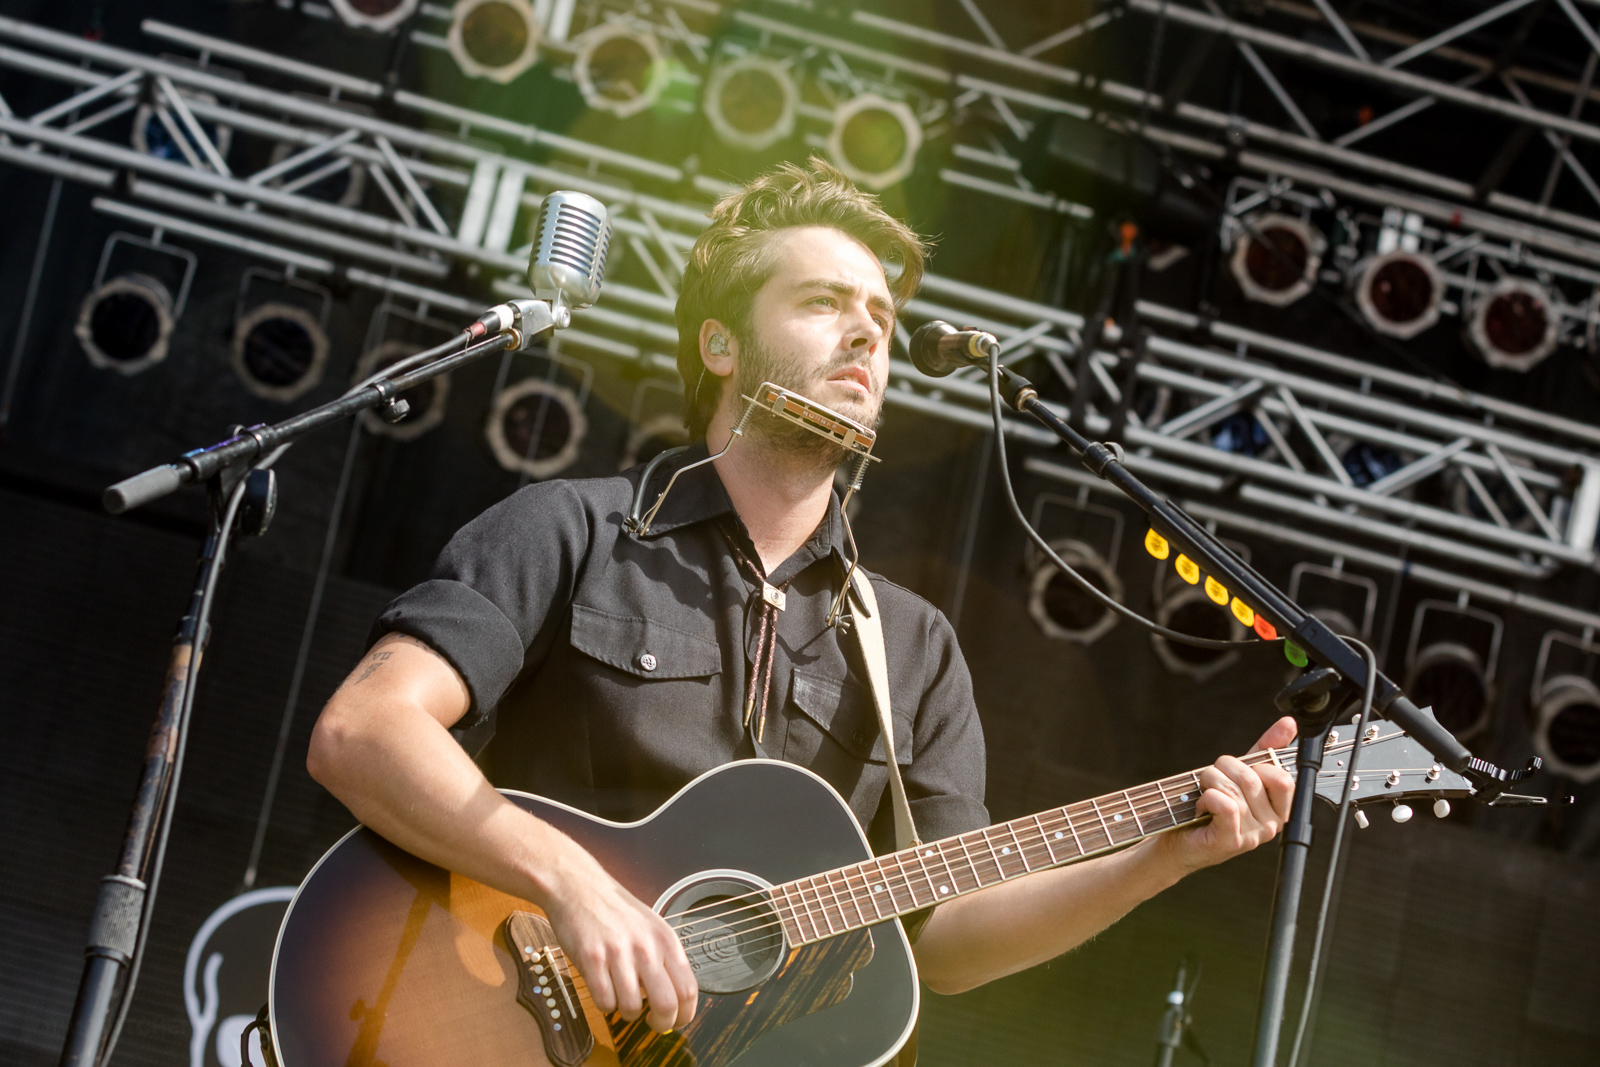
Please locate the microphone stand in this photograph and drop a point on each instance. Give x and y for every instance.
(1313, 698)
(241, 502)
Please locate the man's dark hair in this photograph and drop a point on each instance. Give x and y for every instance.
(733, 258)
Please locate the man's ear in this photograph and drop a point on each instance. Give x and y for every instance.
(718, 348)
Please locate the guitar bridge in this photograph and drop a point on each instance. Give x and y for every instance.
(546, 991)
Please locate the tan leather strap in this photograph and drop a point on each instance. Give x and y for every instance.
(868, 629)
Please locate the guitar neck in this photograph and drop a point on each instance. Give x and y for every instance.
(849, 898)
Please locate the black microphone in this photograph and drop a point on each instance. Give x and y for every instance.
(937, 348)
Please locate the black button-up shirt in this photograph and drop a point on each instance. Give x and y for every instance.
(613, 668)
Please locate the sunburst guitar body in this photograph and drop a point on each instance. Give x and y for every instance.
(385, 960)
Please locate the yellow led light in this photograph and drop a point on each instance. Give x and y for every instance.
(1243, 612)
(1188, 569)
(1216, 590)
(1156, 545)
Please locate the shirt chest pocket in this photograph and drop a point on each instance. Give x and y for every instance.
(642, 647)
(847, 715)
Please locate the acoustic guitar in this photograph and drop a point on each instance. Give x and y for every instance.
(788, 920)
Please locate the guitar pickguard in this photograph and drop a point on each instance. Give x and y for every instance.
(813, 977)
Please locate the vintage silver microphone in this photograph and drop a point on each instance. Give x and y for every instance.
(570, 240)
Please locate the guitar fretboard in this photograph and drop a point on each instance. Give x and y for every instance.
(849, 898)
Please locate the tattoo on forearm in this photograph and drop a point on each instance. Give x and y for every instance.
(374, 661)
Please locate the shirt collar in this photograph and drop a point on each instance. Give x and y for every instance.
(699, 495)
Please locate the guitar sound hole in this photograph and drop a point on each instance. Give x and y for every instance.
(730, 932)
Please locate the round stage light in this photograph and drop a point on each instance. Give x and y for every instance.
(1060, 607)
(1514, 325)
(494, 39)
(652, 437)
(874, 140)
(279, 351)
(1189, 610)
(620, 69)
(1399, 293)
(151, 136)
(1566, 732)
(426, 401)
(1283, 273)
(124, 324)
(1367, 463)
(536, 427)
(1449, 677)
(751, 101)
(381, 16)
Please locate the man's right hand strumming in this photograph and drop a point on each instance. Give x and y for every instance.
(382, 747)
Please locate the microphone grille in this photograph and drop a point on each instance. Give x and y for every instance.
(570, 242)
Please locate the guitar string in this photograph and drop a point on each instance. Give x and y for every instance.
(1148, 800)
(1152, 801)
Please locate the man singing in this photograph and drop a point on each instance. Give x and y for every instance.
(616, 668)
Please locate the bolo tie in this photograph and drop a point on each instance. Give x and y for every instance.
(856, 440)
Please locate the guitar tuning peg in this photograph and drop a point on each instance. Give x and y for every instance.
(1361, 819)
(1441, 808)
(1401, 813)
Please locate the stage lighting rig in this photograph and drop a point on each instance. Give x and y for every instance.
(493, 39)
(1399, 293)
(280, 350)
(750, 101)
(379, 16)
(620, 67)
(536, 428)
(1454, 671)
(1059, 607)
(1276, 258)
(1514, 325)
(874, 140)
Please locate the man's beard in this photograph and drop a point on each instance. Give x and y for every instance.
(758, 363)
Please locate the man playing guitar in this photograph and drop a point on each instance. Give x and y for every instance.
(616, 667)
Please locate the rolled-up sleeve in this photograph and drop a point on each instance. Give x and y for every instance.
(497, 591)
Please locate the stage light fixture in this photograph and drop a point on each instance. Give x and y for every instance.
(279, 350)
(1566, 732)
(1399, 293)
(1187, 609)
(380, 16)
(874, 140)
(426, 401)
(1367, 463)
(1331, 597)
(494, 39)
(620, 69)
(125, 323)
(653, 437)
(751, 101)
(1060, 607)
(1454, 672)
(151, 136)
(1240, 433)
(1283, 273)
(1514, 326)
(536, 427)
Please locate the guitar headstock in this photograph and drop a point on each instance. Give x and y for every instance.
(1390, 766)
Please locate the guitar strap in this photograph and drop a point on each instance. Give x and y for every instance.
(868, 629)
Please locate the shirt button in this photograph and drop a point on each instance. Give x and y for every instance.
(647, 661)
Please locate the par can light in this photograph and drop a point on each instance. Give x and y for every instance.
(380, 16)
(1399, 293)
(1275, 260)
(494, 39)
(279, 351)
(124, 324)
(620, 69)
(1060, 607)
(1514, 325)
(1188, 609)
(751, 102)
(1566, 732)
(426, 401)
(536, 428)
(652, 437)
(874, 140)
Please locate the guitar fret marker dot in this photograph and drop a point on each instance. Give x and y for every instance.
(555, 1013)
(1006, 851)
(1116, 818)
(1184, 797)
(944, 889)
(1059, 835)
